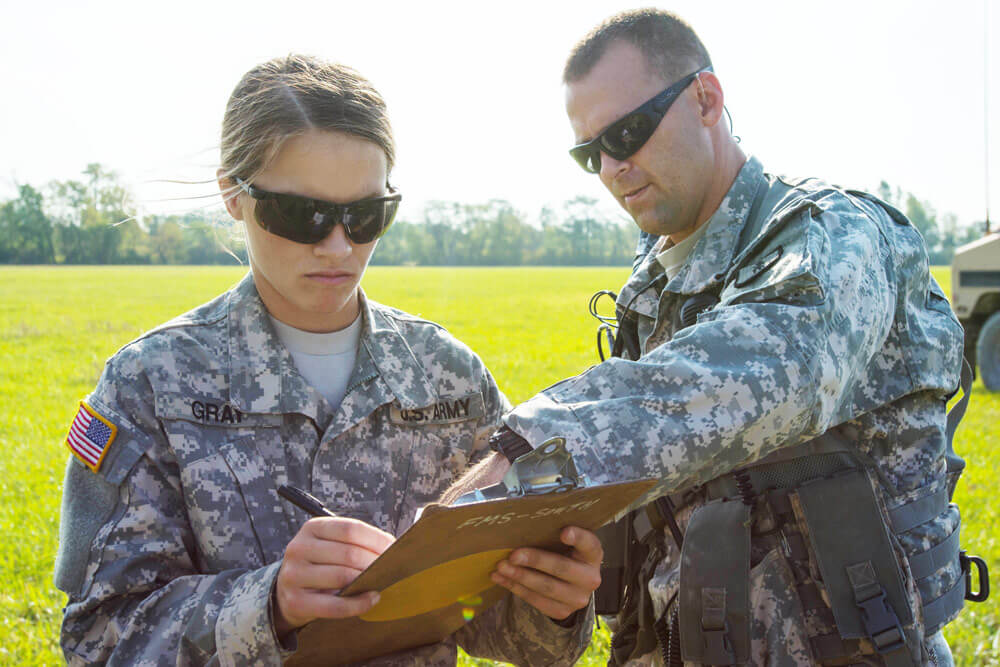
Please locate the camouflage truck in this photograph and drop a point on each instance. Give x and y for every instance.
(975, 298)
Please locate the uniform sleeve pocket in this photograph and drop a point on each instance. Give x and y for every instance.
(88, 503)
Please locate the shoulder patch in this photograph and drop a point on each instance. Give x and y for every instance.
(446, 411)
(90, 436)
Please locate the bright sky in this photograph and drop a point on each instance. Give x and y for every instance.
(853, 91)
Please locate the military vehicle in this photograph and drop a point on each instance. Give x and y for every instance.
(975, 298)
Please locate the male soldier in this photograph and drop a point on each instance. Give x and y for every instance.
(785, 362)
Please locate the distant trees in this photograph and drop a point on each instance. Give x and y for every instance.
(497, 234)
(25, 230)
(90, 221)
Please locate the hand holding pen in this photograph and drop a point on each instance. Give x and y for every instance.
(327, 554)
(304, 501)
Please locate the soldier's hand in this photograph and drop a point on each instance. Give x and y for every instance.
(326, 555)
(554, 584)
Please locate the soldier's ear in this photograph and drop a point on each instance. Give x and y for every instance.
(710, 98)
(230, 194)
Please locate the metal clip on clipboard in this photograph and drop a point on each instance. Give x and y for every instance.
(547, 469)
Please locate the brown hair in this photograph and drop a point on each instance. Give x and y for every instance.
(289, 96)
(668, 43)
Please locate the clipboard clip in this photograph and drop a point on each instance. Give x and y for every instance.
(548, 468)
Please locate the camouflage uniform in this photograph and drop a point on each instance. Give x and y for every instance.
(828, 327)
(170, 553)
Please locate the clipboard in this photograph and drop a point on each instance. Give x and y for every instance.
(436, 576)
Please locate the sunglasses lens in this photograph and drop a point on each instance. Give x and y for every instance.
(293, 218)
(367, 221)
(363, 222)
(588, 157)
(620, 140)
(627, 136)
(298, 218)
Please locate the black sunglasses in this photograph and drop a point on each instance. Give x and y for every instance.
(306, 220)
(628, 134)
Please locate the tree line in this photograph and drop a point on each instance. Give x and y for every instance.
(90, 221)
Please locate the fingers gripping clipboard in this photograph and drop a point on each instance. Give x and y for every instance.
(436, 576)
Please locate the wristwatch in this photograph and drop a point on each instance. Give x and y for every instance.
(510, 444)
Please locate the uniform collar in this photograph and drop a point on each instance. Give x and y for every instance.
(263, 376)
(389, 352)
(710, 259)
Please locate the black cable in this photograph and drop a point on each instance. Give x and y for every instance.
(592, 307)
(736, 137)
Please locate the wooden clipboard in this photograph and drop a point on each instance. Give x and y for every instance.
(436, 576)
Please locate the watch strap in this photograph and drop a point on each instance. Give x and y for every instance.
(510, 444)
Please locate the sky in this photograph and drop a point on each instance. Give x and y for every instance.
(852, 91)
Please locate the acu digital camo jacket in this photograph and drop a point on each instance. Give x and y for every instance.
(828, 326)
(169, 553)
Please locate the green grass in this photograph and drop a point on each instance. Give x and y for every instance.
(58, 325)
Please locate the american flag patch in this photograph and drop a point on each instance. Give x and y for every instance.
(89, 436)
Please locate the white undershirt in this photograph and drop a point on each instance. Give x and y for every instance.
(674, 257)
(325, 360)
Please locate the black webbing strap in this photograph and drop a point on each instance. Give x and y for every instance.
(958, 410)
(912, 514)
(637, 631)
(944, 608)
(614, 537)
(625, 640)
(927, 563)
(664, 506)
(880, 621)
(954, 464)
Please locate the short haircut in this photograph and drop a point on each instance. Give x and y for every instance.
(668, 43)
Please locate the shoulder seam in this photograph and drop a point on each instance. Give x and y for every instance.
(172, 324)
(401, 316)
(166, 326)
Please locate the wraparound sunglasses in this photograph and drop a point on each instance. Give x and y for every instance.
(628, 134)
(306, 220)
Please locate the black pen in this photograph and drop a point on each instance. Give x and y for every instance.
(304, 501)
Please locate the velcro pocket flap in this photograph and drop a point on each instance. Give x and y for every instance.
(714, 589)
(846, 529)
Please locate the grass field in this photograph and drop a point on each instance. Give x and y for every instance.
(58, 325)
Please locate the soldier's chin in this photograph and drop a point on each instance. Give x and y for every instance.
(651, 223)
(658, 220)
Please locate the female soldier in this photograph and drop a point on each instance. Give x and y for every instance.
(175, 547)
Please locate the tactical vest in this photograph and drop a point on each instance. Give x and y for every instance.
(866, 584)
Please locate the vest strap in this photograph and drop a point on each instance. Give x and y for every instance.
(927, 563)
(943, 609)
(912, 514)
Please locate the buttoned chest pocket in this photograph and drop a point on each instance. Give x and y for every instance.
(232, 503)
(443, 441)
(234, 508)
(441, 454)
